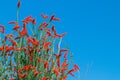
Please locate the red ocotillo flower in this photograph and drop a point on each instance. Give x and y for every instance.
(29, 19)
(31, 67)
(44, 16)
(46, 65)
(48, 33)
(70, 72)
(44, 78)
(9, 35)
(65, 64)
(55, 33)
(26, 20)
(66, 52)
(38, 59)
(30, 55)
(33, 41)
(29, 39)
(18, 5)
(2, 48)
(22, 75)
(56, 71)
(46, 45)
(18, 49)
(76, 67)
(2, 28)
(16, 25)
(53, 29)
(60, 35)
(58, 59)
(44, 24)
(53, 18)
(36, 72)
(73, 70)
(13, 22)
(24, 31)
(14, 43)
(26, 67)
(9, 48)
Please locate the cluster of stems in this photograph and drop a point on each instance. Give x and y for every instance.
(32, 52)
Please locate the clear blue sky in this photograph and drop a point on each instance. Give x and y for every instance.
(92, 26)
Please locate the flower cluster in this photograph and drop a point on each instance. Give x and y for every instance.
(33, 52)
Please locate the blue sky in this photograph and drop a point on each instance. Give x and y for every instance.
(92, 26)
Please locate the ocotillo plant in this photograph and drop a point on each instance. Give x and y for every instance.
(31, 52)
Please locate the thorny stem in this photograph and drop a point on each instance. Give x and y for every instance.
(17, 13)
(59, 45)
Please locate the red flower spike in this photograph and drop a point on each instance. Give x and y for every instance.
(26, 68)
(29, 39)
(66, 52)
(29, 19)
(65, 55)
(39, 60)
(9, 48)
(33, 41)
(31, 67)
(44, 16)
(70, 71)
(36, 72)
(22, 75)
(58, 59)
(44, 24)
(1, 48)
(53, 18)
(76, 67)
(46, 44)
(18, 49)
(53, 29)
(24, 31)
(13, 42)
(2, 28)
(46, 65)
(49, 33)
(33, 21)
(16, 27)
(56, 19)
(56, 71)
(9, 35)
(55, 33)
(60, 35)
(13, 22)
(63, 69)
(18, 5)
(64, 64)
(44, 78)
